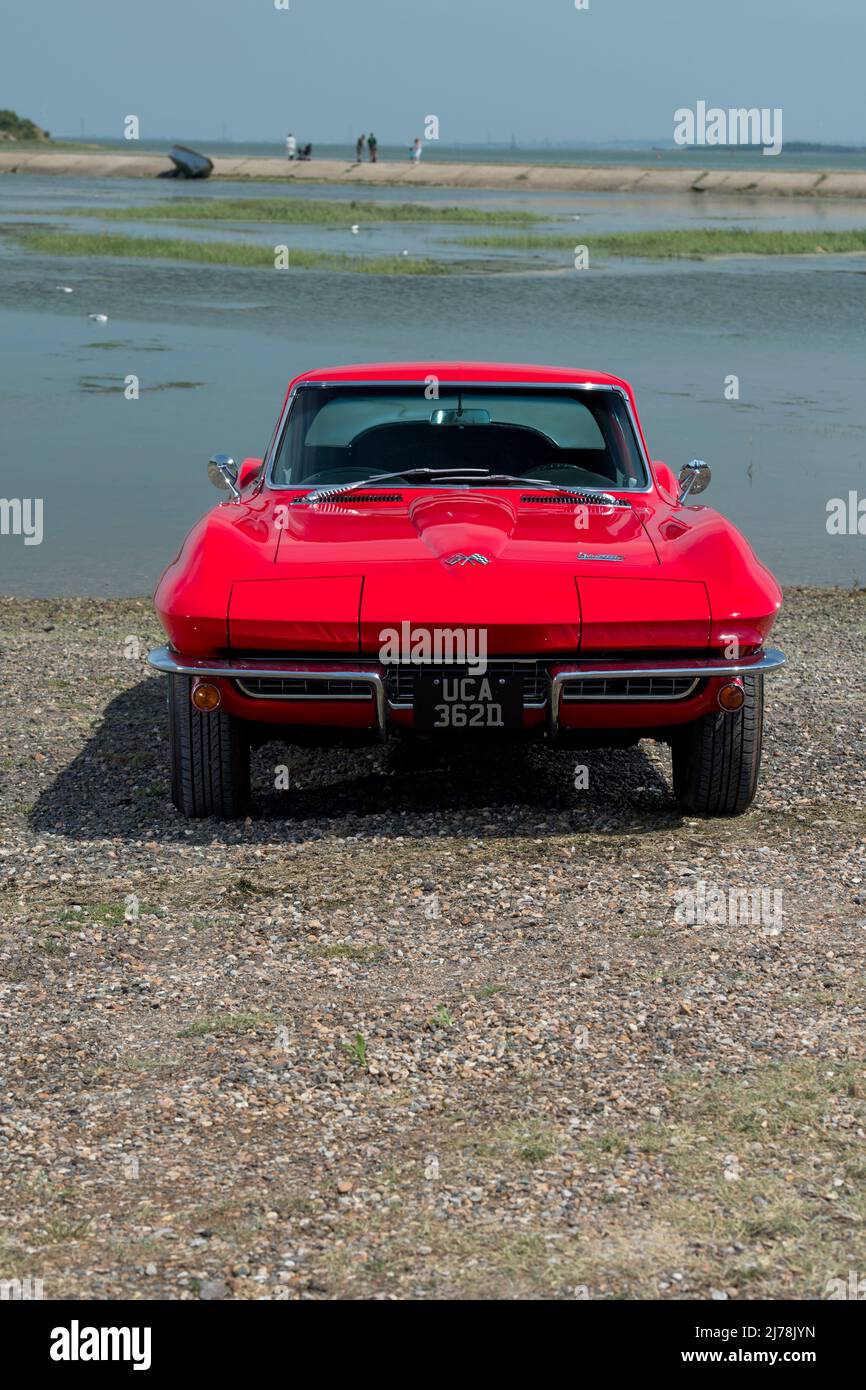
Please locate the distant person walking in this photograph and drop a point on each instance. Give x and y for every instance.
(373, 147)
(291, 146)
(415, 152)
(359, 149)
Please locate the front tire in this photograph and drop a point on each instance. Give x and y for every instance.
(716, 759)
(210, 757)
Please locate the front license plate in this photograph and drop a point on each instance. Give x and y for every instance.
(461, 701)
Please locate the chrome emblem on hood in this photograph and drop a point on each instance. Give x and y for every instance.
(473, 559)
(582, 555)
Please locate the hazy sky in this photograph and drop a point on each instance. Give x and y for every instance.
(487, 68)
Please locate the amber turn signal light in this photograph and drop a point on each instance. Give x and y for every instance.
(205, 697)
(732, 697)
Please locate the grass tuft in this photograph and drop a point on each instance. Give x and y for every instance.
(357, 1051)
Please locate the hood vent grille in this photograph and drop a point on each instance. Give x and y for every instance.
(583, 499)
(368, 497)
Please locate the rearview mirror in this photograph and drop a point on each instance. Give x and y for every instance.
(694, 477)
(460, 417)
(223, 474)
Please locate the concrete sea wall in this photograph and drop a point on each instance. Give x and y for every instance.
(589, 178)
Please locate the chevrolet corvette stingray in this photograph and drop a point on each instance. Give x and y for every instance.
(436, 549)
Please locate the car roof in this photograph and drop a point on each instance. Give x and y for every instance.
(510, 373)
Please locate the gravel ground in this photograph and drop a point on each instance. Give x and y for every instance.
(428, 1026)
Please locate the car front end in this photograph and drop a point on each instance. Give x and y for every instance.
(432, 549)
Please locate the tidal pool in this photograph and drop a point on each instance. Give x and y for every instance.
(122, 480)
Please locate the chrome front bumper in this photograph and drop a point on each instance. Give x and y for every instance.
(164, 659)
(765, 661)
(374, 674)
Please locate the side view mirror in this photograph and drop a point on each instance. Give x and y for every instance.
(223, 474)
(247, 471)
(694, 477)
(665, 479)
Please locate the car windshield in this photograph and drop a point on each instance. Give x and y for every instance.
(343, 434)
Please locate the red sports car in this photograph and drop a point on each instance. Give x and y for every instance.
(440, 548)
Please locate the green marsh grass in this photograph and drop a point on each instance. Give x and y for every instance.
(224, 253)
(299, 210)
(685, 243)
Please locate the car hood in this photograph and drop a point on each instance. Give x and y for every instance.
(260, 575)
(538, 576)
(433, 528)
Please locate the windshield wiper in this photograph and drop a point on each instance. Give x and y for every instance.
(580, 493)
(322, 494)
(467, 475)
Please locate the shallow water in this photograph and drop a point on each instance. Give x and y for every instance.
(214, 347)
(606, 211)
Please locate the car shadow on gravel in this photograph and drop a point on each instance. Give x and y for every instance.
(118, 786)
